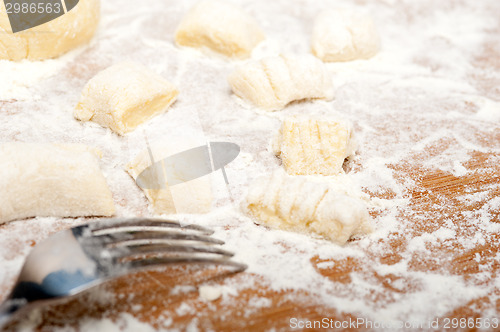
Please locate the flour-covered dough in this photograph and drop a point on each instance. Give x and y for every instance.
(274, 82)
(51, 180)
(124, 96)
(50, 39)
(314, 145)
(219, 26)
(296, 203)
(194, 196)
(344, 35)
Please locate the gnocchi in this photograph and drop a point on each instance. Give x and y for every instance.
(344, 35)
(296, 203)
(124, 96)
(274, 82)
(309, 146)
(51, 180)
(53, 38)
(219, 26)
(194, 196)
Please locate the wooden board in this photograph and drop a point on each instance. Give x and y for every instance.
(435, 198)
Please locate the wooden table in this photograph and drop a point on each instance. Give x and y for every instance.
(434, 196)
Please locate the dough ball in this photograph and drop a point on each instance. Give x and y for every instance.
(221, 27)
(274, 82)
(50, 39)
(344, 35)
(124, 96)
(310, 146)
(296, 203)
(51, 180)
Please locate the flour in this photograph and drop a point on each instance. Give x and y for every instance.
(19, 78)
(418, 103)
(489, 110)
(125, 322)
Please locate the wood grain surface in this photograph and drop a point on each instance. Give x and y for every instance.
(435, 198)
(147, 295)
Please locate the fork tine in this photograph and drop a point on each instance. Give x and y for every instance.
(132, 248)
(151, 237)
(144, 243)
(154, 262)
(110, 226)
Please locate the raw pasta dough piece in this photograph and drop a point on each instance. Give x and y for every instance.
(51, 180)
(221, 27)
(309, 146)
(50, 39)
(124, 96)
(194, 196)
(297, 204)
(343, 35)
(273, 82)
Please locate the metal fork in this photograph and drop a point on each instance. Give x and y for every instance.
(85, 256)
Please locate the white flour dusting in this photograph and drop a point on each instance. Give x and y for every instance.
(424, 88)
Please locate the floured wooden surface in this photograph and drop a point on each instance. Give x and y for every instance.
(427, 113)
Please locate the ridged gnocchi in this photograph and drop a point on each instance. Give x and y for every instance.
(296, 203)
(221, 27)
(309, 146)
(344, 35)
(274, 82)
